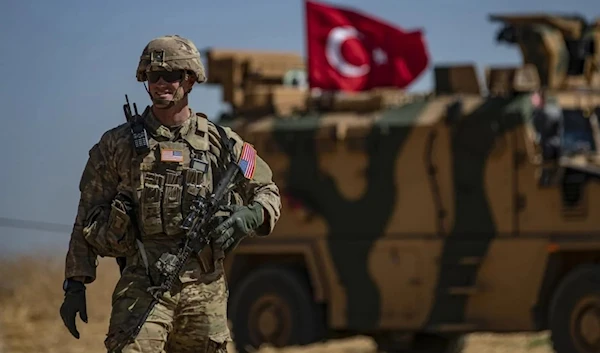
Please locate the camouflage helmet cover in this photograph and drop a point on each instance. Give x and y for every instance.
(170, 52)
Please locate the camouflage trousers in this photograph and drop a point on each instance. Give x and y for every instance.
(192, 318)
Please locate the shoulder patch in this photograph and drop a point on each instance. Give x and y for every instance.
(247, 160)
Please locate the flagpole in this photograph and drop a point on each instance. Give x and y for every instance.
(319, 96)
(306, 46)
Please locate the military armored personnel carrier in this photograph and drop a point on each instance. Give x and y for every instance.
(426, 216)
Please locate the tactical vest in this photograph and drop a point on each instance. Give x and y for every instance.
(171, 175)
(165, 181)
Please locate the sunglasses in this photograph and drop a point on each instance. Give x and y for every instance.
(168, 76)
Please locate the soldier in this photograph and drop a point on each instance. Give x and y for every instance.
(185, 157)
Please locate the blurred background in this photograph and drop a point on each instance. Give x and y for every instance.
(66, 66)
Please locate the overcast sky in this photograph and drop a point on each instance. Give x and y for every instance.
(66, 65)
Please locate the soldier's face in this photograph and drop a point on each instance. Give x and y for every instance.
(164, 84)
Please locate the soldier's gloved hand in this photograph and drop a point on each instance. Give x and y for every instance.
(243, 220)
(73, 303)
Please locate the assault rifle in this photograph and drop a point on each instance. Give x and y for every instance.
(196, 225)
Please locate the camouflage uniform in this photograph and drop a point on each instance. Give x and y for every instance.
(161, 185)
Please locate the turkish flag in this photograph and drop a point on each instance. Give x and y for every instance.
(350, 51)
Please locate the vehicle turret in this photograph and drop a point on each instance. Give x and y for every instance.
(565, 49)
(260, 83)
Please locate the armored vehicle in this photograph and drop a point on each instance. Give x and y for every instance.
(426, 216)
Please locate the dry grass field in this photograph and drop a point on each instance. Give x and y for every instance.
(31, 294)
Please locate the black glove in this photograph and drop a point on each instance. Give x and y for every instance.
(243, 220)
(74, 302)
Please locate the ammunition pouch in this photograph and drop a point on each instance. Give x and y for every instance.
(110, 232)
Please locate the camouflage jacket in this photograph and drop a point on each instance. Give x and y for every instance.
(161, 185)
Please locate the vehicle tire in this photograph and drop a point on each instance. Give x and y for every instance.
(436, 343)
(274, 305)
(574, 313)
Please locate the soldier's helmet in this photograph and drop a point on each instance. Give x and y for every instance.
(171, 53)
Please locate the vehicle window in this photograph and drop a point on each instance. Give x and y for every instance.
(577, 133)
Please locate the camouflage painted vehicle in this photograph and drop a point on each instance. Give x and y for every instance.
(426, 216)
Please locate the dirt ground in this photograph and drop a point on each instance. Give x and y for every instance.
(31, 294)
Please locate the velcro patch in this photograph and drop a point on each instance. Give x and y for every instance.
(171, 155)
(247, 160)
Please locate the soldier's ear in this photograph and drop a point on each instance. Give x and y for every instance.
(190, 78)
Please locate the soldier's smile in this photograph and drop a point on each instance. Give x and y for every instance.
(161, 90)
(164, 94)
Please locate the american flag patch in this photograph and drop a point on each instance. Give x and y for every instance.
(168, 155)
(247, 160)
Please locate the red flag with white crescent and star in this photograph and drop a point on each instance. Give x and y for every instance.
(351, 51)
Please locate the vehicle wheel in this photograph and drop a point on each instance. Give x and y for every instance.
(274, 305)
(433, 343)
(574, 317)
